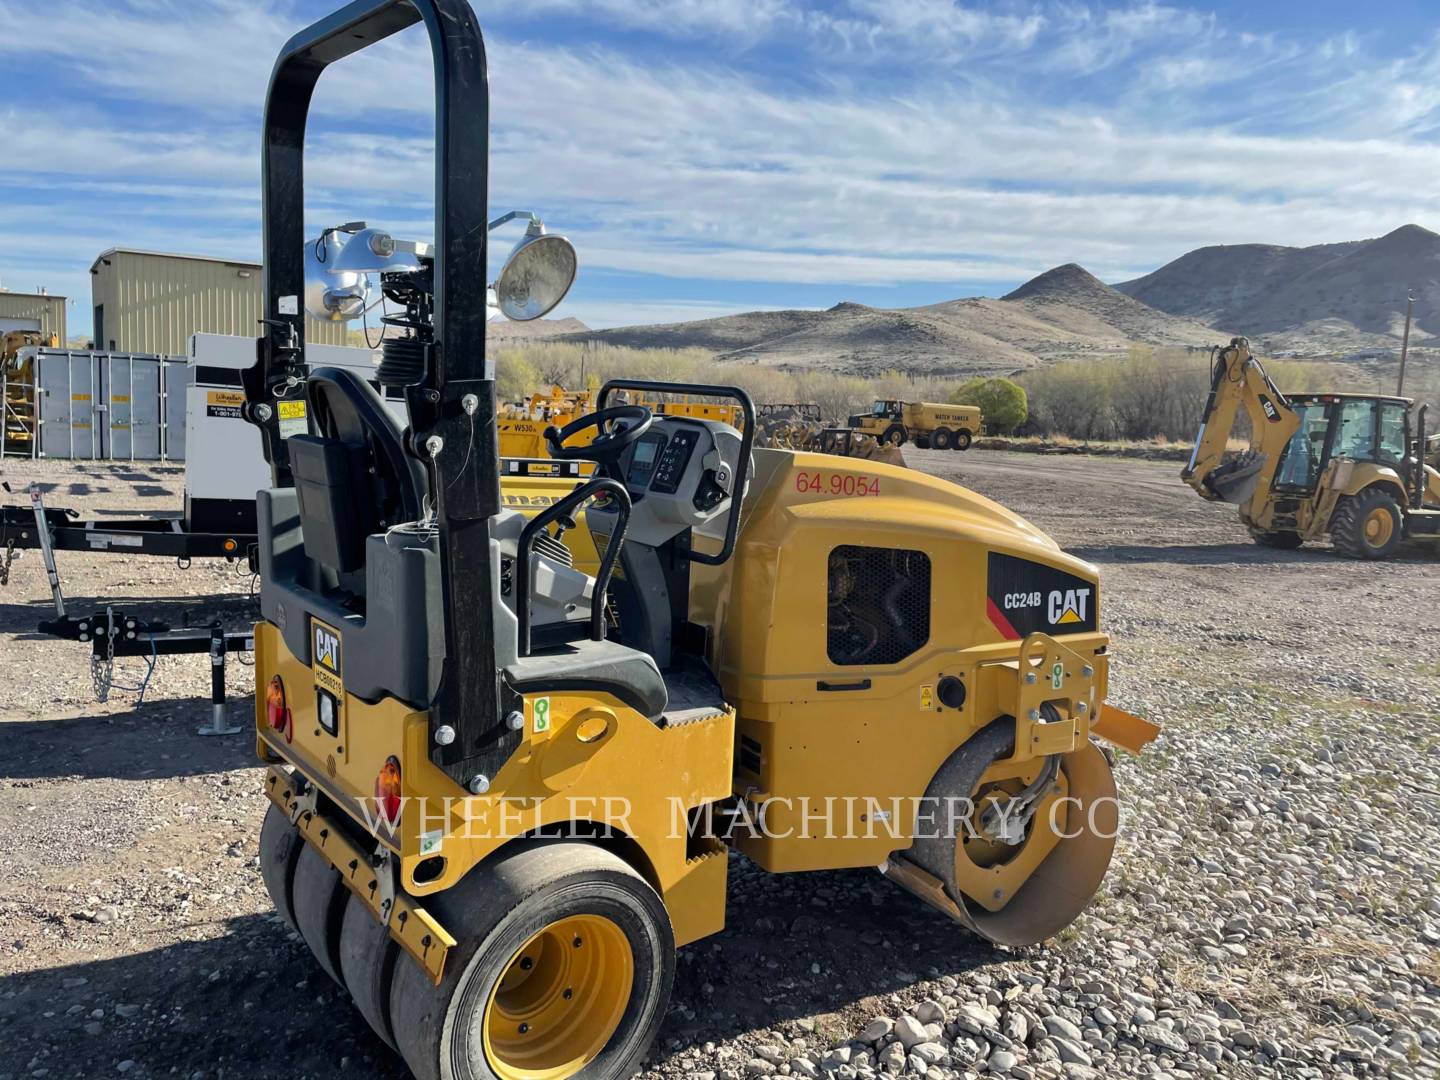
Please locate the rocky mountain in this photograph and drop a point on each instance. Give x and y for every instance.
(1343, 299)
(1064, 313)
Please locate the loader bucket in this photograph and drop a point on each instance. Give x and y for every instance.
(888, 455)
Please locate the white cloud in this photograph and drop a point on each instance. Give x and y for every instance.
(706, 170)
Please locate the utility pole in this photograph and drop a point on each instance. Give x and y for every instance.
(1405, 342)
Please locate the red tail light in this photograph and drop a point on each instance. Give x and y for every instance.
(387, 789)
(276, 710)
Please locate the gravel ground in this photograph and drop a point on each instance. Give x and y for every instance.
(1273, 908)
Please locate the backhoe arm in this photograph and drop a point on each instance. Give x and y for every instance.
(1239, 381)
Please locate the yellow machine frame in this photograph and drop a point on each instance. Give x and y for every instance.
(769, 664)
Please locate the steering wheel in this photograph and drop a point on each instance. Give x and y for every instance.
(620, 425)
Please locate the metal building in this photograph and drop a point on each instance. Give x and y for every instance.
(151, 301)
(33, 311)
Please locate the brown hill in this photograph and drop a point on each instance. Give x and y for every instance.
(1073, 297)
(502, 328)
(1332, 299)
(1214, 284)
(1062, 314)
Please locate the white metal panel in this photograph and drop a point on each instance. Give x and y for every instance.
(98, 405)
(131, 407)
(67, 388)
(223, 456)
(173, 372)
(8, 324)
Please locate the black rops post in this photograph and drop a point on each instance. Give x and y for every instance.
(464, 476)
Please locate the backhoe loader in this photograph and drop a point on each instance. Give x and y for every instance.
(507, 769)
(1351, 465)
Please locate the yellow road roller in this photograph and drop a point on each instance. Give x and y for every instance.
(513, 742)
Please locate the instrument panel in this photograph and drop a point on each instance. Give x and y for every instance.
(658, 461)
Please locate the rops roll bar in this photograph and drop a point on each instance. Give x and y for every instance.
(451, 409)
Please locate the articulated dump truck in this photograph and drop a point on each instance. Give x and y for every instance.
(516, 733)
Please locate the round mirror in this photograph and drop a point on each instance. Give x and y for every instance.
(536, 276)
(329, 296)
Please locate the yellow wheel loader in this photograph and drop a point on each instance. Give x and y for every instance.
(508, 767)
(521, 427)
(1350, 465)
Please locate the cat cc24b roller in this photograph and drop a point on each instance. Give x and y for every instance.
(511, 750)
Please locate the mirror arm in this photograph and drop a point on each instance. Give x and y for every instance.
(505, 219)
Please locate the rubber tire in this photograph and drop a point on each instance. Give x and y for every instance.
(280, 844)
(941, 439)
(895, 435)
(962, 440)
(320, 897)
(493, 912)
(1282, 541)
(368, 955)
(1347, 526)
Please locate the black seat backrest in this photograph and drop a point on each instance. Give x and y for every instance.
(353, 476)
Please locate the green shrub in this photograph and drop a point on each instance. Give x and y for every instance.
(1003, 402)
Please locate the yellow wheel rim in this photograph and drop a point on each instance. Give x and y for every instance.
(1378, 527)
(559, 999)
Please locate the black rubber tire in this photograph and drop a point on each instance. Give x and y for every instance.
(1347, 525)
(492, 913)
(962, 440)
(320, 897)
(941, 439)
(280, 845)
(367, 964)
(1284, 541)
(895, 435)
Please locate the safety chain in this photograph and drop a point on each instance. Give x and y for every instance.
(102, 670)
(7, 562)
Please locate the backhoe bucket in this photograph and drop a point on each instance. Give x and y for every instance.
(1234, 482)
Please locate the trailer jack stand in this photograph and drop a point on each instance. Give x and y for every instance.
(218, 725)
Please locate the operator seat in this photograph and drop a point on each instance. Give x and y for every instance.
(359, 448)
(330, 552)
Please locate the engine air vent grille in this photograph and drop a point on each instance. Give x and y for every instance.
(878, 604)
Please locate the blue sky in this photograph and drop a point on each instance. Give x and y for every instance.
(710, 156)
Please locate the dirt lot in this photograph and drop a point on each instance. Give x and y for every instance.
(1273, 908)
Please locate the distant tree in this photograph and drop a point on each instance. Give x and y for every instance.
(1002, 402)
(515, 377)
